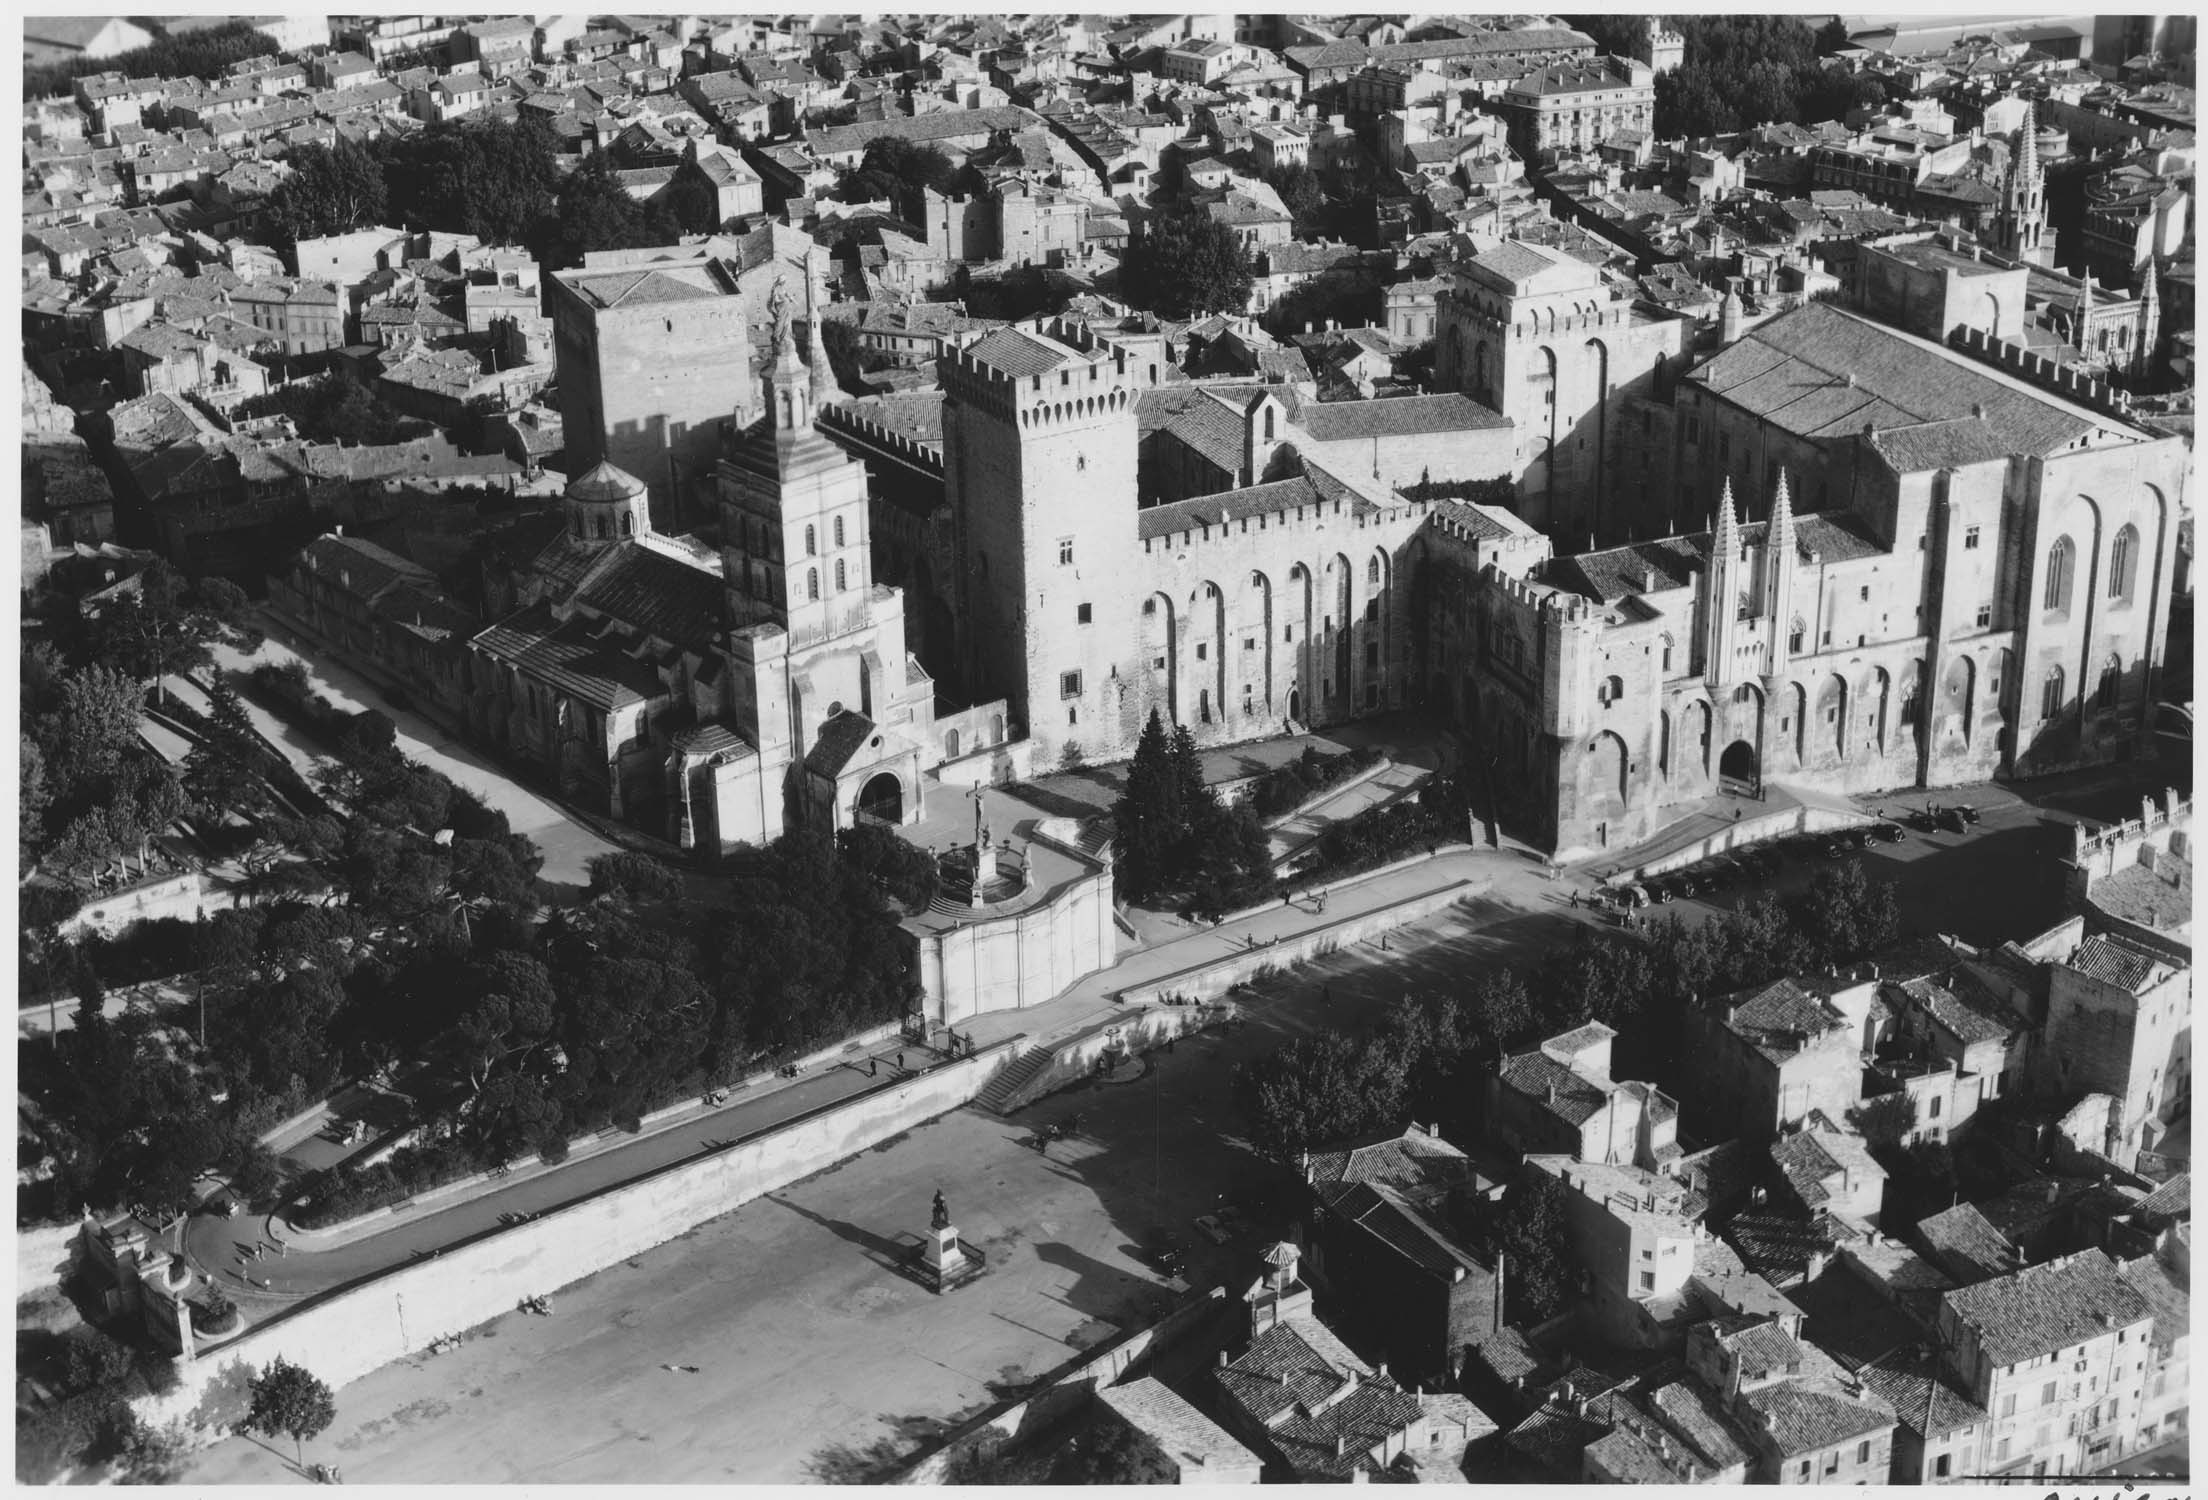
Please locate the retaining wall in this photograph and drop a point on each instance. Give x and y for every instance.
(577, 1148)
(1072, 1388)
(1073, 1060)
(1747, 832)
(1208, 980)
(344, 1335)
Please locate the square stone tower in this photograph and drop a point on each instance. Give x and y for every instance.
(1039, 450)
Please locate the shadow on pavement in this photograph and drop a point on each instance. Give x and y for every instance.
(884, 1250)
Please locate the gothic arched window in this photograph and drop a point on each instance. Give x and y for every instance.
(2050, 695)
(839, 576)
(812, 583)
(812, 542)
(2123, 564)
(2060, 557)
(2112, 683)
(839, 531)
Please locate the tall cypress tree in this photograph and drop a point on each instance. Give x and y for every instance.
(1146, 821)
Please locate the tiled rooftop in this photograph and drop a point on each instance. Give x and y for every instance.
(2044, 1308)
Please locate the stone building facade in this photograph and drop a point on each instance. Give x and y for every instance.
(1236, 613)
(1979, 589)
(1583, 372)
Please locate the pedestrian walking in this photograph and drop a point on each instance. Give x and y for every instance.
(900, 1062)
(1575, 901)
(871, 1064)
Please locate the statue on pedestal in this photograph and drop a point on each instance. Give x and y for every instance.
(942, 1216)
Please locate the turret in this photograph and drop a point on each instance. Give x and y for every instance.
(1779, 554)
(2150, 320)
(1721, 592)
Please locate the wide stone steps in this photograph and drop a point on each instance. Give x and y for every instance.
(1011, 1078)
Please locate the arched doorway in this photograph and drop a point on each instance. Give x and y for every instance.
(883, 799)
(1737, 768)
(1295, 705)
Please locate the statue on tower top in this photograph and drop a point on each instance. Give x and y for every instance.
(778, 308)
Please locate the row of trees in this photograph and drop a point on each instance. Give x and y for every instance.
(195, 54)
(1172, 834)
(499, 180)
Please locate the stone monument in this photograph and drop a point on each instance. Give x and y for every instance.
(945, 1261)
(985, 855)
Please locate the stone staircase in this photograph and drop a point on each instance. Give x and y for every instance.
(1015, 1075)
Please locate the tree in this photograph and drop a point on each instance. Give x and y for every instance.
(331, 189)
(904, 871)
(1185, 265)
(636, 877)
(290, 1401)
(895, 170)
(98, 720)
(1146, 821)
(596, 213)
(1532, 1235)
(1832, 37)
(1322, 1088)
(1303, 196)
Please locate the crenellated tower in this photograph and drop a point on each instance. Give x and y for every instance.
(1039, 452)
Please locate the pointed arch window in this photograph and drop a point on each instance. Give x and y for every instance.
(1268, 424)
(839, 531)
(812, 583)
(2050, 695)
(1667, 656)
(840, 584)
(2112, 684)
(2060, 560)
(1795, 634)
(812, 542)
(2123, 563)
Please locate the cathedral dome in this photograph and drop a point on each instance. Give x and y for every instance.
(604, 484)
(607, 504)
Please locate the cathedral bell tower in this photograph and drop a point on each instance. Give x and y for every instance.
(794, 510)
(2020, 227)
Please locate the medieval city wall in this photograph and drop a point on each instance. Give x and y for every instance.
(344, 1335)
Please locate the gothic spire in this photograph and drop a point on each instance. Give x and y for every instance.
(824, 378)
(2027, 146)
(2149, 293)
(1728, 522)
(1782, 511)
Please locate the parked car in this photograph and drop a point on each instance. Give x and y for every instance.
(1167, 1252)
(1662, 888)
(1212, 1229)
(1966, 812)
(1888, 832)
(1856, 838)
(1632, 897)
(1951, 820)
